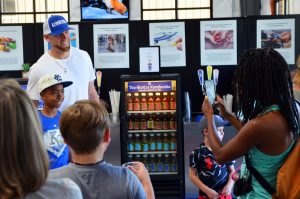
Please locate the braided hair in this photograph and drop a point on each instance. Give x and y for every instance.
(261, 79)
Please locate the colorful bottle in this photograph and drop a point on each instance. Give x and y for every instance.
(130, 146)
(150, 122)
(165, 122)
(137, 143)
(152, 143)
(143, 122)
(130, 122)
(146, 162)
(173, 142)
(165, 102)
(136, 122)
(129, 102)
(172, 101)
(166, 163)
(174, 163)
(145, 144)
(144, 106)
(157, 103)
(158, 142)
(165, 142)
(159, 164)
(157, 123)
(136, 102)
(172, 122)
(152, 165)
(150, 102)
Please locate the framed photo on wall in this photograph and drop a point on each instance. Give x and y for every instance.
(149, 59)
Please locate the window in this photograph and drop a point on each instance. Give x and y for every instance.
(176, 9)
(31, 11)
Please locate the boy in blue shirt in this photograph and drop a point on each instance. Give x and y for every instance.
(51, 88)
(212, 179)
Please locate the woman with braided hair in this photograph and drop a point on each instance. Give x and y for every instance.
(263, 93)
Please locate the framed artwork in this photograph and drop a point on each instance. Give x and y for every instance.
(149, 59)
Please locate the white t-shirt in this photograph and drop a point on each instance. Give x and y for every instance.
(79, 70)
(57, 188)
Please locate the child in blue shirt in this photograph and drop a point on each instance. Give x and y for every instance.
(51, 88)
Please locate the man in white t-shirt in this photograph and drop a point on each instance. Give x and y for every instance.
(74, 64)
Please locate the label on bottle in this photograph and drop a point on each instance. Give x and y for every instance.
(173, 146)
(143, 125)
(166, 167)
(130, 125)
(158, 146)
(137, 146)
(160, 167)
(166, 146)
(152, 166)
(129, 106)
(145, 147)
(173, 167)
(152, 146)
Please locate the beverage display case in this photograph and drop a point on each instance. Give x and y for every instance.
(151, 129)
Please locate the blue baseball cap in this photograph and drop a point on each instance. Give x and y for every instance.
(55, 25)
(219, 121)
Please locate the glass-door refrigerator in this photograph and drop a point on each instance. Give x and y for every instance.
(152, 131)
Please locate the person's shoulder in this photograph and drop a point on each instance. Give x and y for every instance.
(54, 188)
(60, 172)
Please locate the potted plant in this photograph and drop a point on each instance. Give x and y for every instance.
(25, 68)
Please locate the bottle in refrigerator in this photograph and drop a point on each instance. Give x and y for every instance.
(136, 102)
(137, 158)
(173, 142)
(130, 122)
(136, 122)
(166, 163)
(172, 101)
(137, 143)
(157, 103)
(129, 102)
(172, 122)
(165, 122)
(152, 165)
(152, 142)
(150, 102)
(174, 163)
(145, 144)
(157, 122)
(165, 142)
(130, 146)
(159, 163)
(129, 158)
(150, 122)
(158, 142)
(144, 106)
(143, 122)
(165, 102)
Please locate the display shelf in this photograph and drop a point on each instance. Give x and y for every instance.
(154, 111)
(150, 152)
(163, 173)
(152, 131)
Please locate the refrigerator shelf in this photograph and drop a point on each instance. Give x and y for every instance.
(151, 131)
(163, 173)
(152, 152)
(154, 111)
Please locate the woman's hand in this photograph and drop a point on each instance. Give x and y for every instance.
(207, 109)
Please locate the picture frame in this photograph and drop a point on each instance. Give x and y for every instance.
(104, 10)
(149, 59)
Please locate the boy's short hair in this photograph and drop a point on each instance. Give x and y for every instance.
(83, 124)
(49, 80)
(219, 121)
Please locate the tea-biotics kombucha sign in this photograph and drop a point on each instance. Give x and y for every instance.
(149, 86)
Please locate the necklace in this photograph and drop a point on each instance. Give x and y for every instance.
(59, 64)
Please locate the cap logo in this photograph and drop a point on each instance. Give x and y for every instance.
(58, 78)
(57, 23)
